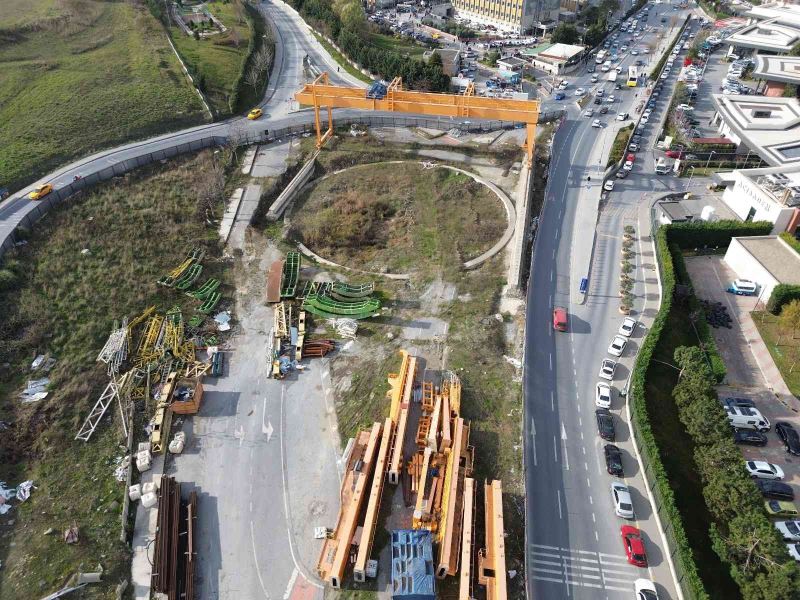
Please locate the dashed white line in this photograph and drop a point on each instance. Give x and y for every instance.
(560, 516)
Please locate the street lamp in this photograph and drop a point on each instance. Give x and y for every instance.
(709, 158)
(689, 185)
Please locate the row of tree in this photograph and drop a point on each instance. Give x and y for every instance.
(741, 533)
(344, 21)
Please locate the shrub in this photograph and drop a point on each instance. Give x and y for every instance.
(8, 279)
(791, 240)
(783, 293)
(717, 234)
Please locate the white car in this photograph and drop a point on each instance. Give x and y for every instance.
(607, 369)
(628, 166)
(634, 52)
(645, 118)
(609, 185)
(595, 78)
(623, 48)
(602, 396)
(580, 92)
(623, 505)
(664, 75)
(597, 123)
(617, 346)
(759, 469)
(622, 116)
(589, 112)
(627, 327)
(610, 99)
(794, 551)
(790, 530)
(645, 589)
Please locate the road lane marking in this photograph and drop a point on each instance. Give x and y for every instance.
(551, 361)
(552, 400)
(255, 560)
(555, 450)
(290, 585)
(560, 516)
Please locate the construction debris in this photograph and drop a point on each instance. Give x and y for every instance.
(346, 328)
(223, 320)
(178, 443)
(121, 470)
(35, 390)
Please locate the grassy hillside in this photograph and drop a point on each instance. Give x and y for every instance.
(77, 76)
(63, 302)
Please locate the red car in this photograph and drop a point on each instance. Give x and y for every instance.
(674, 153)
(560, 318)
(634, 545)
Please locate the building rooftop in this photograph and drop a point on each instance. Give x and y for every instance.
(770, 126)
(561, 51)
(772, 35)
(787, 13)
(775, 256)
(675, 210)
(778, 68)
(512, 60)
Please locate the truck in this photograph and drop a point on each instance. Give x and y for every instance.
(747, 418)
(662, 168)
(612, 75)
(601, 56)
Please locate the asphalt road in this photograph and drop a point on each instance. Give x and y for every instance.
(574, 546)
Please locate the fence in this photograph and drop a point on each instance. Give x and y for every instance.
(34, 211)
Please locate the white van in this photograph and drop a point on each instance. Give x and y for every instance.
(747, 418)
(662, 168)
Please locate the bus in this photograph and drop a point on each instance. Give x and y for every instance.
(633, 76)
(601, 57)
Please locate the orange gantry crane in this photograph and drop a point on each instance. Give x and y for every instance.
(321, 94)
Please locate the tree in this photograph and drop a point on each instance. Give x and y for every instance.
(795, 51)
(790, 316)
(594, 35)
(564, 33)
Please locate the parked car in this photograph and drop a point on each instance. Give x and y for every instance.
(622, 116)
(780, 508)
(613, 460)
(607, 369)
(623, 505)
(634, 546)
(597, 123)
(605, 424)
(794, 551)
(738, 402)
(560, 318)
(608, 185)
(759, 469)
(617, 345)
(749, 437)
(790, 530)
(621, 174)
(589, 112)
(789, 437)
(775, 490)
(628, 327)
(602, 395)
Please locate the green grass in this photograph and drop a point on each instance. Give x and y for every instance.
(620, 142)
(65, 303)
(218, 58)
(399, 217)
(677, 455)
(341, 59)
(784, 346)
(103, 76)
(396, 44)
(18, 13)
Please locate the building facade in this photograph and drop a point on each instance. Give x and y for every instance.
(515, 16)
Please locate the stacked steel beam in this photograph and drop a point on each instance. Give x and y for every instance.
(173, 560)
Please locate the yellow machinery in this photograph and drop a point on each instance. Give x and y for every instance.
(321, 94)
(401, 388)
(465, 585)
(492, 559)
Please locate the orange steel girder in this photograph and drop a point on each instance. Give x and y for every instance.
(321, 94)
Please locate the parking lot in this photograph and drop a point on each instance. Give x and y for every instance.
(751, 373)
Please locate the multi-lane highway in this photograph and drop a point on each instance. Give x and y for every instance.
(574, 547)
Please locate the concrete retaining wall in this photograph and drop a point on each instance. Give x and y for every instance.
(290, 192)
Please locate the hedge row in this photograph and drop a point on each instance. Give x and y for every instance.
(783, 293)
(252, 44)
(716, 234)
(656, 73)
(670, 515)
(791, 240)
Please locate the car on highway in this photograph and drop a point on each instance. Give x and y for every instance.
(645, 589)
(622, 116)
(595, 78)
(780, 508)
(597, 123)
(255, 114)
(634, 546)
(605, 424)
(609, 185)
(559, 96)
(560, 318)
(613, 460)
(617, 345)
(794, 551)
(623, 505)
(580, 92)
(628, 327)
(759, 469)
(41, 191)
(749, 437)
(589, 112)
(611, 99)
(775, 490)
(602, 395)
(603, 110)
(789, 530)
(607, 369)
(598, 100)
(789, 437)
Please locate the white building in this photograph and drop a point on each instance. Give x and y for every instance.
(775, 36)
(766, 260)
(764, 195)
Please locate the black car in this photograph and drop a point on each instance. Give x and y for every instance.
(622, 174)
(738, 402)
(603, 110)
(775, 490)
(613, 460)
(598, 100)
(749, 437)
(605, 424)
(789, 437)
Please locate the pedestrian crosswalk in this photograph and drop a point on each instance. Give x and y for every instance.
(582, 568)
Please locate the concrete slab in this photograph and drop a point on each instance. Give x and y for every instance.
(247, 208)
(270, 160)
(231, 210)
(247, 161)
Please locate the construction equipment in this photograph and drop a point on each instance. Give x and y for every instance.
(343, 291)
(185, 281)
(196, 255)
(186, 396)
(274, 281)
(467, 540)
(329, 308)
(321, 94)
(317, 348)
(290, 275)
(205, 290)
(492, 559)
(115, 390)
(175, 542)
(401, 387)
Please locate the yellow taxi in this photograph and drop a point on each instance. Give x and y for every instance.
(41, 191)
(254, 114)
